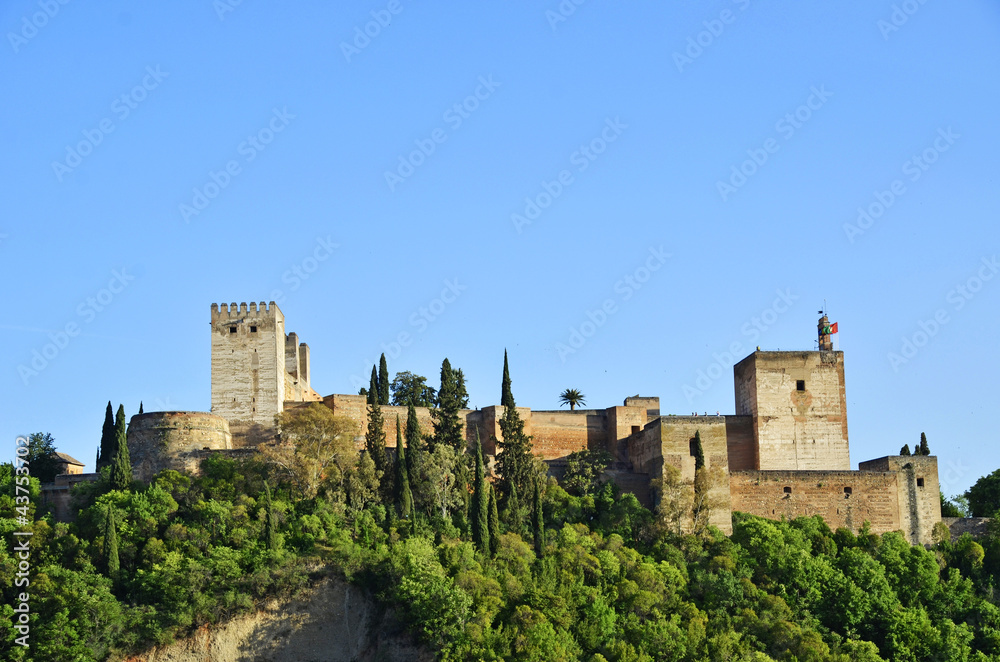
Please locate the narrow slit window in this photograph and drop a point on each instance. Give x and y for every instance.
(920, 482)
(800, 385)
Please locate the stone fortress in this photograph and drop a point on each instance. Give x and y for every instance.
(784, 453)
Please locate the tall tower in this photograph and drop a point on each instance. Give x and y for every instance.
(798, 408)
(248, 364)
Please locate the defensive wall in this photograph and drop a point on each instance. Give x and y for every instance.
(784, 453)
(174, 440)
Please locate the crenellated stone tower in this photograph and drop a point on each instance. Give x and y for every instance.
(256, 367)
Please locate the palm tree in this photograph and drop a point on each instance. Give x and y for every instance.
(572, 397)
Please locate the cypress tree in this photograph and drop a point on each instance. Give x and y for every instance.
(107, 451)
(383, 381)
(111, 545)
(514, 460)
(140, 407)
(270, 534)
(375, 435)
(905, 450)
(506, 396)
(493, 522)
(538, 521)
(121, 467)
(480, 504)
(447, 424)
(924, 448)
(372, 392)
(699, 453)
(512, 511)
(461, 517)
(403, 495)
(461, 394)
(414, 441)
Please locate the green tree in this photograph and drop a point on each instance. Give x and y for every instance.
(583, 471)
(375, 435)
(448, 428)
(506, 395)
(514, 459)
(271, 532)
(383, 381)
(493, 522)
(461, 394)
(438, 493)
(905, 450)
(41, 456)
(538, 521)
(121, 468)
(984, 496)
(107, 451)
(924, 448)
(414, 440)
(404, 497)
(408, 388)
(112, 563)
(480, 503)
(316, 448)
(699, 452)
(512, 511)
(572, 397)
(371, 393)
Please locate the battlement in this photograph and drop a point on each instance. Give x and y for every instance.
(234, 311)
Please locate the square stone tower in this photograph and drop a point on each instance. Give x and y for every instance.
(798, 408)
(248, 364)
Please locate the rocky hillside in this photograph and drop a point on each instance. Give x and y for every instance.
(333, 622)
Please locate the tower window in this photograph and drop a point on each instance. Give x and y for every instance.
(800, 385)
(848, 491)
(787, 490)
(920, 482)
(232, 329)
(635, 428)
(253, 329)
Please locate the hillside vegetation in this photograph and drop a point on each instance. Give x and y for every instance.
(609, 584)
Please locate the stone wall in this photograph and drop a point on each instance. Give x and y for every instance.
(174, 440)
(795, 429)
(669, 441)
(842, 498)
(559, 433)
(58, 495)
(919, 498)
(740, 444)
(974, 526)
(556, 433)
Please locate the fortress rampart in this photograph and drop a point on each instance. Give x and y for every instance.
(174, 440)
(784, 453)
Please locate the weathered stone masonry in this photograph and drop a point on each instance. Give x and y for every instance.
(785, 452)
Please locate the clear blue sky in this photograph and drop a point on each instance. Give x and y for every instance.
(644, 126)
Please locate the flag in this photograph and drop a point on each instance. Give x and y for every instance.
(833, 328)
